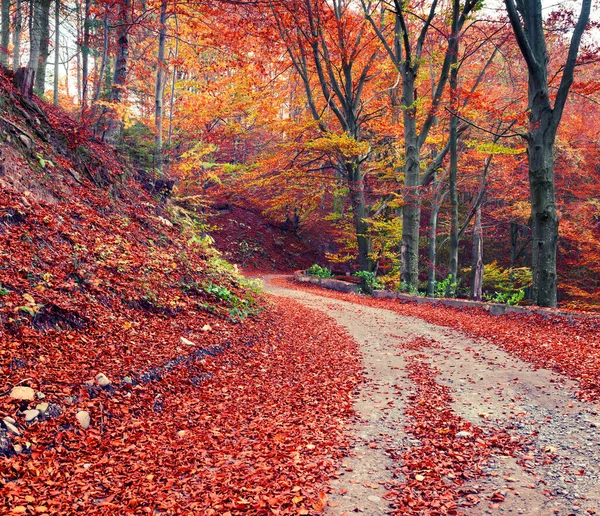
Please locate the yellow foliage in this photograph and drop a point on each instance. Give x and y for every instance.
(341, 145)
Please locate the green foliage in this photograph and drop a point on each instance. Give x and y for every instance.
(319, 272)
(507, 298)
(4, 291)
(505, 285)
(219, 292)
(138, 144)
(369, 281)
(408, 289)
(443, 287)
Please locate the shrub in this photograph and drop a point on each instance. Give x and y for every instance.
(319, 272)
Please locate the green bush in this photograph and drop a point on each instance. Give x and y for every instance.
(319, 272)
(369, 281)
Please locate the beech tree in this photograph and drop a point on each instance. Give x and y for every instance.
(330, 52)
(4, 32)
(404, 45)
(544, 118)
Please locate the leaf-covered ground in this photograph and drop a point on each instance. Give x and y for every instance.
(256, 429)
(218, 401)
(569, 347)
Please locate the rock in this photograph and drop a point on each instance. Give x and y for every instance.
(207, 327)
(54, 410)
(40, 395)
(4, 443)
(128, 380)
(11, 428)
(463, 433)
(26, 141)
(374, 498)
(102, 380)
(186, 342)
(181, 433)
(18, 448)
(10, 420)
(22, 393)
(83, 416)
(42, 407)
(30, 415)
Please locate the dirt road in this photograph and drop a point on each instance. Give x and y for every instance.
(556, 472)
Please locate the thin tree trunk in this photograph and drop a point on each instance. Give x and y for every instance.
(477, 264)
(5, 32)
(17, 36)
(104, 57)
(114, 129)
(172, 98)
(44, 28)
(78, 54)
(433, 221)
(85, 56)
(56, 48)
(453, 261)
(159, 90)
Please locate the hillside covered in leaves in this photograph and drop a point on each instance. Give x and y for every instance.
(139, 372)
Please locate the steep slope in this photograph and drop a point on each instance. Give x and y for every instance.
(139, 373)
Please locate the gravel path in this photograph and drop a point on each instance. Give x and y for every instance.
(558, 471)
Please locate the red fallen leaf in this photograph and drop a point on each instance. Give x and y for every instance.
(320, 504)
(497, 497)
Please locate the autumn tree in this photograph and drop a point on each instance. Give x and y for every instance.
(404, 44)
(4, 32)
(331, 52)
(544, 118)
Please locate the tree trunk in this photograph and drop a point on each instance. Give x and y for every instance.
(17, 36)
(411, 210)
(359, 213)
(40, 75)
(24, 80)
(104, 57)
(5, 32)
(544, 220)
(453, 261)
(56, 49)
(527, 22)
(35, 35)
(477, 263)
(433, 220)
(114, 129)
(159, 90)
(85, 56)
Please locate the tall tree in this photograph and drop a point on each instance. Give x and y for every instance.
(406, 52)
(85, 55)
(18, 20)
(44, 28)
(544, 118)
(117, 92)
(329, 50)
(4, 32)
(56, 49)
(161, 73)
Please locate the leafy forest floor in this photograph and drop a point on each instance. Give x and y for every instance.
(456, 414)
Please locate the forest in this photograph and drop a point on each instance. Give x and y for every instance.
(179, 181)
(441, 146)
